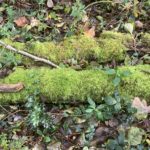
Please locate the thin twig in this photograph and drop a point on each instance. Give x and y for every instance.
(95, 3)
(28, 55)
(99, 2)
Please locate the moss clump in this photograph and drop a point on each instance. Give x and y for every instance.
(138, 84)
(110, 46)
(146, 39)
(67, 85)
(47, 50)
(111, 50)
(81, 47)
(122, 37)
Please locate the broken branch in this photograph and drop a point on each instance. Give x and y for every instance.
(8, 88)
(28, 55)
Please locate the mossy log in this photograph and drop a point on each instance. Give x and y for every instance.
(110, 46)
(68, 85)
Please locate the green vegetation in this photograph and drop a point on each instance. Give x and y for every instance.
(64, 85)
(99, 95)
(110, 46)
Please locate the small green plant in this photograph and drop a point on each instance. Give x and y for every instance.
(118, 143)
(78, 10)
(4, 143)
(18, 144)
(40, 2)
(38, 119)
(117, 75)
(132, 140)
(8, 59)
(77, 13)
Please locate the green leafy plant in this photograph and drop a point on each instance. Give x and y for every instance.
(17, 144)
(77, 13)
(78, 10)
(38, 119)
(118, 143)
(8, 59)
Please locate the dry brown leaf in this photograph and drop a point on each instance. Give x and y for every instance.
(90, 32)
(140, 105)
(21, 21)
(50, 4)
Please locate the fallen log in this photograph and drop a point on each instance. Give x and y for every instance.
(26, 54)
(110, 46)
(68, 85)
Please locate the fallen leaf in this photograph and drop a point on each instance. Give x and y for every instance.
(54, 146)
(90, 32)
(101, 134)
(59, 25)
(140, 105)
(21, 21)
(38, 147)
(34, 22)
(129, 27)
(50, 4)
(112, 122)
(17, 117)
(135, 136)
(138, 24)
(85, 18)
(142, 108)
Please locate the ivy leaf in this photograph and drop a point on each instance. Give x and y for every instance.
(135, 136)
(92, 103)
(89, 110)
(111, 71)
(126, 73)
(47, 139)
(116, 81)
(111, 144)
(110, 101)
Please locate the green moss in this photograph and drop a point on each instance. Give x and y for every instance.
(110, 46)
(146, 39)
(139, 82)
(47, 50)
(67, 85)
(111, 50)
(81, 47)
(124, 38)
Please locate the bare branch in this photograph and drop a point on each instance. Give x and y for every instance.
(8, 88)
(28, 55)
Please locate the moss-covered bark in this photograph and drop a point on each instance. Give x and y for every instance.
(110, 46)
(67, 85)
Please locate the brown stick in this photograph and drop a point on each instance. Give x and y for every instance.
(8, 88)
(28, 55)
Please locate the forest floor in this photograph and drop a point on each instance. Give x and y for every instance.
(117, 122)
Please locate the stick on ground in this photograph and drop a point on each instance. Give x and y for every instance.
(8, 88)
(28, 55)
